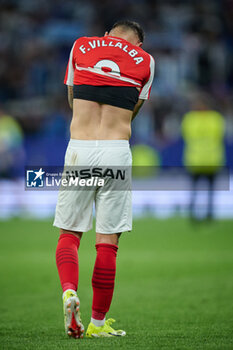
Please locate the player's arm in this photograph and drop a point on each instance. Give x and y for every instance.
(70, 96)
(69, 77)
(137, 108)
(145, 91)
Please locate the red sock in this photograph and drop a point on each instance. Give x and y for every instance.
(67, 260)
(103, 279)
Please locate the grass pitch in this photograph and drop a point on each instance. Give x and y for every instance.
(174, 287)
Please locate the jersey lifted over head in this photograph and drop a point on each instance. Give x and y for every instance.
(109, 70)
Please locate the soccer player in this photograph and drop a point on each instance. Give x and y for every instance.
(108, 79)
(204, 152)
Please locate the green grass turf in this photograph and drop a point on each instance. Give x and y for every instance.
(174, 287)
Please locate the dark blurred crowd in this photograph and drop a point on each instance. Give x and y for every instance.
(191, 41)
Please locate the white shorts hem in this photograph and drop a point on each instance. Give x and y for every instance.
(107, 232)
(72, 228)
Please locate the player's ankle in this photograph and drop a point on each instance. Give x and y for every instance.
(70, 290)
(98, 323)
(98, 318)
(69, 286)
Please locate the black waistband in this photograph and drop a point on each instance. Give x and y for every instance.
(118, 96)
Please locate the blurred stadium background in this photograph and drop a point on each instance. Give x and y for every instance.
(193, 49)
(174, 274)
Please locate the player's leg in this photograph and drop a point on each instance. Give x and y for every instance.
(73, 220)
(193, 194)
(68, 270)
(74, 216)
(113, 210)
(113, 216)
(103, 281)
(67, 259)
(210, 196)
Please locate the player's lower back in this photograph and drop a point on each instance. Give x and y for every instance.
(96, 121)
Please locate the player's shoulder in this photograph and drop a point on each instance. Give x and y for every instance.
(84, 39)
(216, 114)
(191, 115)
(79, 39)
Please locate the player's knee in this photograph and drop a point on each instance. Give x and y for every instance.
(108, 238)
(75, 233)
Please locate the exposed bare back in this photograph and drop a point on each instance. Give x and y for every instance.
(96, 121)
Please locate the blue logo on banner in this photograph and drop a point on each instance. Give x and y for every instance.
(35, 178)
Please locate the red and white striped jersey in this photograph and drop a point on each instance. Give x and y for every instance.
(110, 61)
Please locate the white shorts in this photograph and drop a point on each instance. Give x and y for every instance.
(74, 210)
